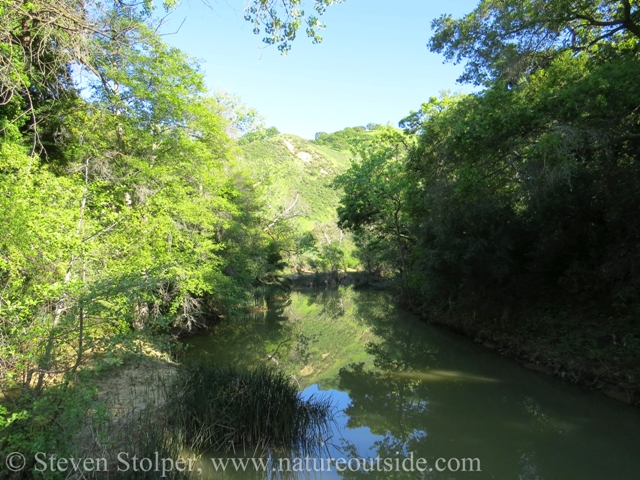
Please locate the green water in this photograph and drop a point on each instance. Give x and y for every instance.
(405, 389)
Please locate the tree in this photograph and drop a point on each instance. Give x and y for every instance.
(373, 204)
(141, 222)
(260, 133)
(506, 39)
(45, 44)
(515, 192)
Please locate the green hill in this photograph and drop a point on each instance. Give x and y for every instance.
(297, 175)
(289, 165)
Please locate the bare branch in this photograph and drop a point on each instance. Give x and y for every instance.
(286, 213)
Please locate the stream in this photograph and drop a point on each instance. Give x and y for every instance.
(405, 390)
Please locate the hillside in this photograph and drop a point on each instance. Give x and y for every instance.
(296, 175)
(287, 166)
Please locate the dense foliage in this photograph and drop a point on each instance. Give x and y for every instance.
(373, 205)
(346, 139)
(123, 210)
(525, 194)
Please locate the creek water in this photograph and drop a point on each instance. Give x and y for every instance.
(405, 390)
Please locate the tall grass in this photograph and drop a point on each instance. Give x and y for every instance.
(226, 408)
(208, 408)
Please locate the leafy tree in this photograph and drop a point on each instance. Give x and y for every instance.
(373, 204)
(504, 186)
(506, 39)
(141, 224)
(346, 139)
(242, 120)
(259, 134)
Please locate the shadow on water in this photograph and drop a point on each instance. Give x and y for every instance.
(409, 389)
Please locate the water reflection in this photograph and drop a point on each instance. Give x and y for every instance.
(407, 388)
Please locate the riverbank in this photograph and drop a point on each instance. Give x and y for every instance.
(598, 355)
(602, 353)
(333, 279)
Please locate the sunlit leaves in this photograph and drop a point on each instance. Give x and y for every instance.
(373, 203)
(509, 39)
(281, 19)
(139, 222)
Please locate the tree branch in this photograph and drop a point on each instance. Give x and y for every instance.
(284, 214)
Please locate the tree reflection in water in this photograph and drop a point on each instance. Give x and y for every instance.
(407, 387)
(393, 399)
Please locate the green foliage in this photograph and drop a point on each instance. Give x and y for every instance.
(124, 214)
(513, 187)
(259, 134)
(346, 139)
(509, 39)
(243, 122)
(522, 193)
(281, 20)
(329, 259)
(133, 217)
(373, 204)
(47, 423)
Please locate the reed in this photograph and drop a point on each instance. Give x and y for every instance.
(212, 408)
(227, 408)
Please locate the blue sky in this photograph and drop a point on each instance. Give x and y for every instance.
(372, 66)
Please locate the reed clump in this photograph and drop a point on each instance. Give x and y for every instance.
(228, 408)
(207, 408)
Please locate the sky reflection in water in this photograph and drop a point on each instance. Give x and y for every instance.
(403, 386)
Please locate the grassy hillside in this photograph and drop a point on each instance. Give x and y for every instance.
(289, 165)
(296, 175)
